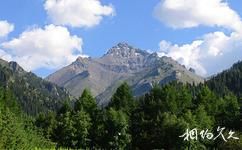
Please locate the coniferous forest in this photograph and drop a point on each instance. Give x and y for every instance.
(121, 75)
(156, 120)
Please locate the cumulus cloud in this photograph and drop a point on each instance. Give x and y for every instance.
(5, 28)
(188, 54)
(192, 13)
(4, 55)
(77, 13)
(211, 53)
(50, 47)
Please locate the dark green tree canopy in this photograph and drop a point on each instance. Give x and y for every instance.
(123, 99)
(86, 102)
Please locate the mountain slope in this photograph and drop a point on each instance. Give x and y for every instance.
(33, 93)
(121, 63)
(230, 79)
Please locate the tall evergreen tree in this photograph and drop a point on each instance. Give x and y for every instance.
(86, 102)
(82, 125)
(116, 130)
(123, 99)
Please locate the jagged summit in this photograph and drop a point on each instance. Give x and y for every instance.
(82, 59)
(14, 66)
(125, 50)
(123, 45)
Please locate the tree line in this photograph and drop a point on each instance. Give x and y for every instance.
(153, 121)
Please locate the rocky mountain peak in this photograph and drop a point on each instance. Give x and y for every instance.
(192, 70)
(15, 67)
(123, 45)
(82, 58)
(124, 50)
(121, 63)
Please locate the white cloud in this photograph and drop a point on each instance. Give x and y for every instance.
(165, 45)
(77, 13)
(214, 51)
(4, 55)
(192, 13)
(188, 54)
(5, 28)
(51, 47)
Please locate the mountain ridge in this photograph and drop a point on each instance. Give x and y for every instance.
(33, 93)
(122, 62)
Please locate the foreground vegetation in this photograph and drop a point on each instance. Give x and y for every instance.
(17, 130)
(153, 121)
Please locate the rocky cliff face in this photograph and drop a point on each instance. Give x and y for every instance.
(121, 63)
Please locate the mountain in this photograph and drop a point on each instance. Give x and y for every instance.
(32, 93)
(121, 63)
(230, 79)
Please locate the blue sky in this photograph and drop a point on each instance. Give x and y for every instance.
(135, 22)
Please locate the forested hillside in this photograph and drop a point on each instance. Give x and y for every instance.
(17, 130)
(230, 79)
(33, 93)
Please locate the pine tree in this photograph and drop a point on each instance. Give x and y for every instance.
(123, 99)
(86, 102)
(82, 125)
(116, 130)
